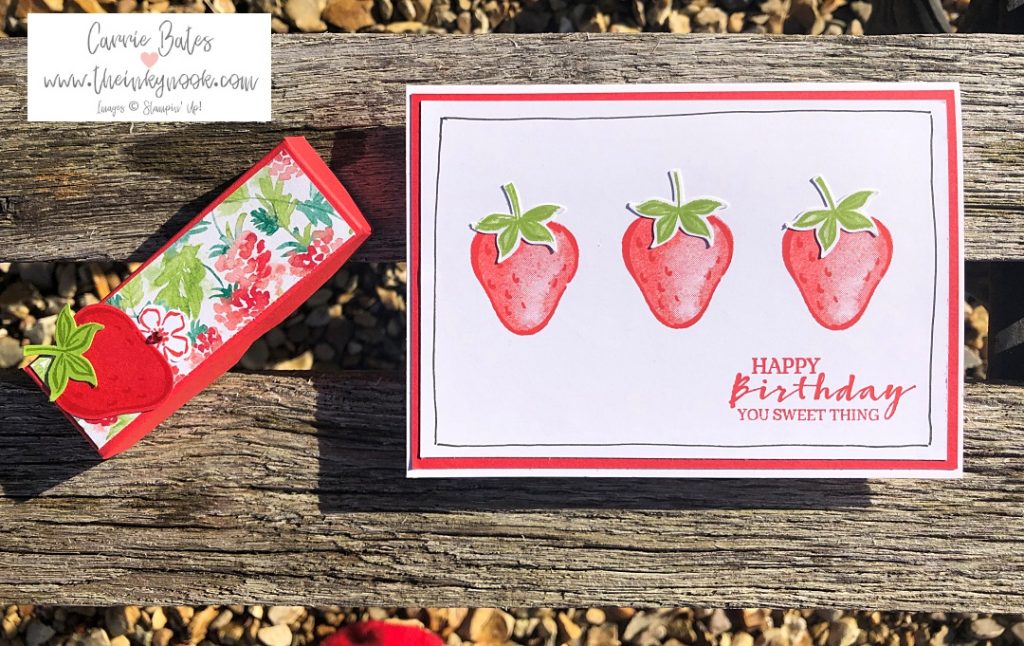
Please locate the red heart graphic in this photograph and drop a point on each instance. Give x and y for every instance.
(131, 375)
(149, 58)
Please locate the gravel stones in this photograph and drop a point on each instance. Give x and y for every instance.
(298, 626)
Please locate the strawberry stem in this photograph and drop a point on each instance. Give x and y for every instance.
(513, 199)
(826, 195)
(677, 187)
(42, 351)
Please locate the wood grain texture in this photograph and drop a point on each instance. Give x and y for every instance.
(116, 191)
(290, 488)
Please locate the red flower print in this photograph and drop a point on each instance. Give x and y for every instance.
(381, 633)
(165, 330)
(209, 341)
(244, 304)
(247, 262)
(322, 245)
(283, 167)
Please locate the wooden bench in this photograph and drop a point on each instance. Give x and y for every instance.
(290, 488)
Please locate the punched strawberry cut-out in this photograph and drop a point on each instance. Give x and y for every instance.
(102, 366)
(677, 253)
(524, 263)
(837, 256)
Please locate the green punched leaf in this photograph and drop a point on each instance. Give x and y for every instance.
(829, 223)
(66, 361)
(530, 227)
(687, 217)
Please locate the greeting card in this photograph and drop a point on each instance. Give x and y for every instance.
(752, 280)
(119, 368)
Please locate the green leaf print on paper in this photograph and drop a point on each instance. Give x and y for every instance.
(129, 296)
(264, 222)
(120, 424)
(181, 281)
(317, 209)
(233, 203)
(273, 198)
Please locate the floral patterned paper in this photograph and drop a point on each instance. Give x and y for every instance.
(261, 240)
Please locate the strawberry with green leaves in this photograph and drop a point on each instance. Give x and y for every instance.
(524, 262)
(677, 252)
(101, 365)
(837, 256)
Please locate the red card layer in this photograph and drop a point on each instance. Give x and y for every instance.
(192, 310)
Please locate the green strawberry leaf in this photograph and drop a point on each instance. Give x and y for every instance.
(65, 327)
(854, 221)
(65, 360)
(810, 219)
(829, 223)
(664, 228)
(541, 213)
(854, 201)
(81, 339)
(827, 236)
(57, 377)
(508, 240)
(529, 227)
(654, 209)
(79, 368)
(689, 217)
(495, 223)
(536, 233)
(696, 226)
(702, 206)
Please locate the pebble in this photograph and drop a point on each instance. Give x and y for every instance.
(279, 635)
(157, 618)
(200, 624)
(843, 632)
(679, 23)
(711, 19)
(285, 614)
(305, 15)
(96, 637)
(67, 280)
(121, 620)
(120, 640)
(349, 15)
(986, 628)
(255, 358)
(38, 634)
(10, 352)
(162, 637)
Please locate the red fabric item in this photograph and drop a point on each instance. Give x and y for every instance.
(132, 376)
(381, 633)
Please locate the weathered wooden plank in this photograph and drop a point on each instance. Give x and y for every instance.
(115, 191)
(291, 489)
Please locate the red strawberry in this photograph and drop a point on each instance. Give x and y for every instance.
(524, 263)
(102, 366)
(837, 256)
(678, 259)
(381, 633)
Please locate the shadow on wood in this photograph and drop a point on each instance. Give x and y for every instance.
(34, 461)
(362, 469)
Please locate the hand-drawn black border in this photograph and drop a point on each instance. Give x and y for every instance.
(935, 278)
